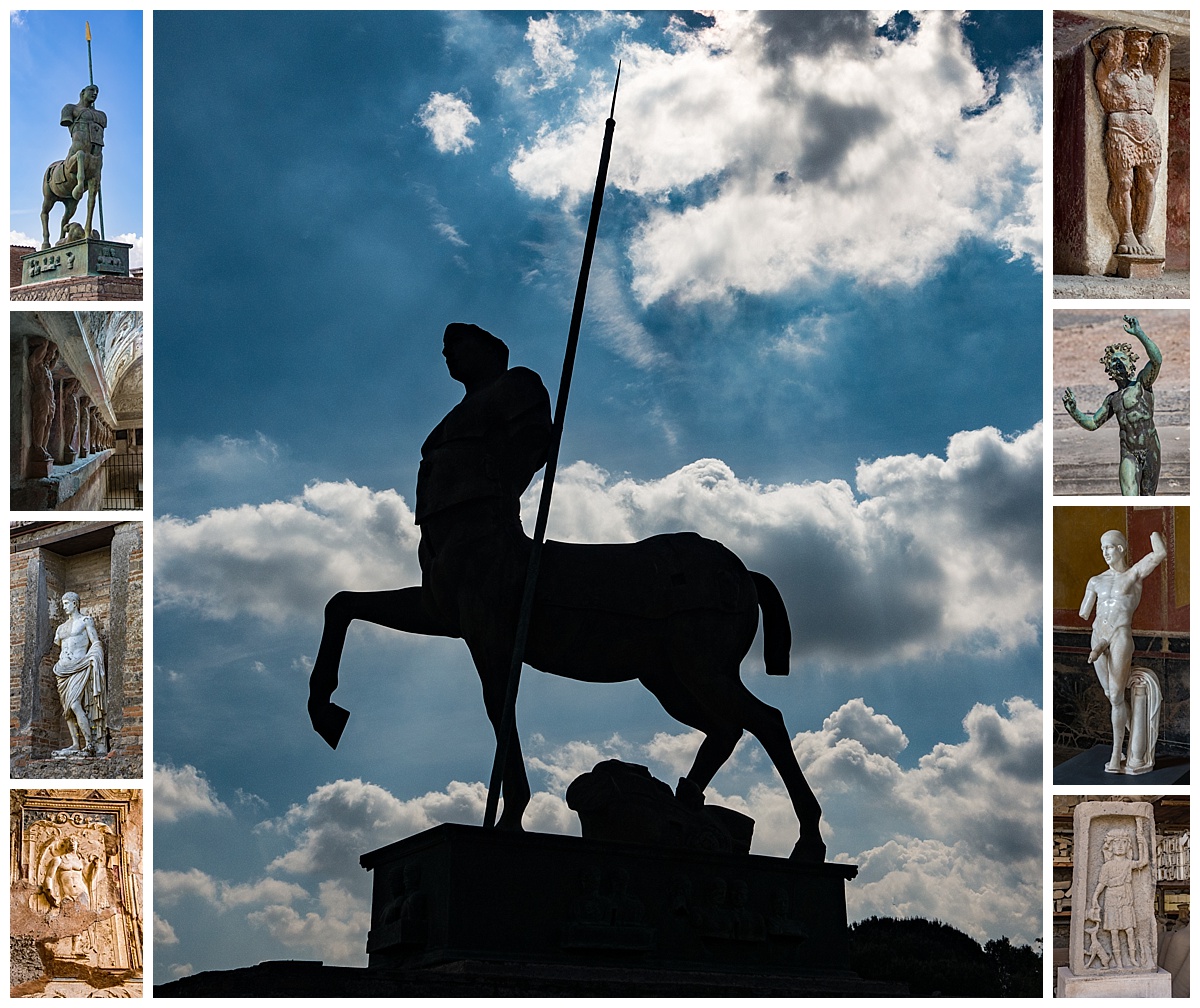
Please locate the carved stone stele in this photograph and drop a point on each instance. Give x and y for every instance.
(1114, 933)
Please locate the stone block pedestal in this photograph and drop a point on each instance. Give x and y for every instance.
(85, 257)
(1131, 267)
(462, 893)
(1140, 985)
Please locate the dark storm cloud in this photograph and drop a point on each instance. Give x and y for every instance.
(813, 33)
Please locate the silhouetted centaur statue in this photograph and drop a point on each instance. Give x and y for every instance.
(677, 612)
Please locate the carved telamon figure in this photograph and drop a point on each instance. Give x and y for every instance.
(42, 355)
(1115, 594)
(1112, 902)
(1133, 405)
(1128, 63)
(79, 675)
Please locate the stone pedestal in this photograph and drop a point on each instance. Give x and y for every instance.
(1087, 769)
(462, 893)
(85, 257)
(1142, 985)
(1131, 267)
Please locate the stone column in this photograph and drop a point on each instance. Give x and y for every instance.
(1114, 932)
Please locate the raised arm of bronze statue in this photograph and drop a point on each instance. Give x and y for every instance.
(1149, 374)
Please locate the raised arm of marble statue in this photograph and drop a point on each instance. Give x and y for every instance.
(1088, 421)
(1158, 553)
(1149, 374)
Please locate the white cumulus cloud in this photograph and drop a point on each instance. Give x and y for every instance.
(285, 559)
(804, 145)
(184, 791)
(448, 118)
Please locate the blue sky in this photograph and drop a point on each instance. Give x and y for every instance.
(813, 332)
(48, 66)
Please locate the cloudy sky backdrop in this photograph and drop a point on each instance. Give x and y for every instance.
(813, 333)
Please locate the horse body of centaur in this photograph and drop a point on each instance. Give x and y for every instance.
(677, 612)
(60, 184)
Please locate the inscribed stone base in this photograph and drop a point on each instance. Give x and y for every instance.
(1132, 267)
(85, 257)
(1088, 768)
(1141, 985)
(465, 893)
(84, 288)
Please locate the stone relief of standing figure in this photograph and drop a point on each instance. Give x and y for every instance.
(1115, 594)
(1125, 852)
(1128, 63)
(79, 675)
(1133, 405)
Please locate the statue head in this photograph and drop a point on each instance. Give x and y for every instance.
(70, 601)
(472, 352)
(1114, 547)
(1137, 44)
(1117, 843)
(89, 94)
(1119, 360)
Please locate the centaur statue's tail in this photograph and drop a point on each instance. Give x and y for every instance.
(777, 631)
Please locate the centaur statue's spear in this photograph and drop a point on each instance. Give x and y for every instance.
(508, 723)
(87, 33)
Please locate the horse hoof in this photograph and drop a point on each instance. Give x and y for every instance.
(510, 824)
(328, 720)
(811, 852)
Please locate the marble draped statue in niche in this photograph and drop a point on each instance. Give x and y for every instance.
(79, 676)
(1128, 64)
(1115, 594)
(1132, 403)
